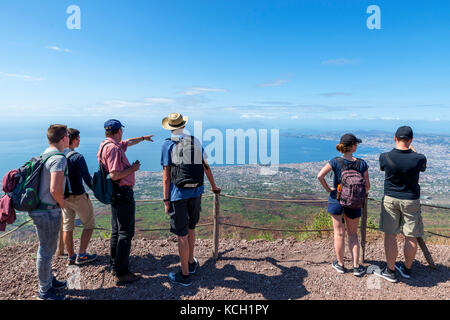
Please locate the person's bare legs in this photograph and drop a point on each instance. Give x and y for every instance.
(84, 240)
(410, 251)
(68, 242)
(353, 245)
(390, 247)
(191, 238)
(183, 250)
(339, 238)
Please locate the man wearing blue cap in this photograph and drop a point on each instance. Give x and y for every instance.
(400, 209)
(112, 156)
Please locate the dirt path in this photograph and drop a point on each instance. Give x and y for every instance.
(281, 269)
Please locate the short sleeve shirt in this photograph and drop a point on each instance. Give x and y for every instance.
(166, 160)
(114, 159)
(56, 163)
(402, 173)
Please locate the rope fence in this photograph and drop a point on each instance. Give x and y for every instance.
(306, 201)
(218, 221)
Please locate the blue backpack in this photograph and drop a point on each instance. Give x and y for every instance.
(103, 185)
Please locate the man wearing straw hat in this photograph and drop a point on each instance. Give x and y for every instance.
(184, 166)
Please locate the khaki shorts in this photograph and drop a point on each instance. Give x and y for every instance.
(401, 216)
(82, 206)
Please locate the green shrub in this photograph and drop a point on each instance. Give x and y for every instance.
(268, 236)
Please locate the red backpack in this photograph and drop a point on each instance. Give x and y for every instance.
(352, 187)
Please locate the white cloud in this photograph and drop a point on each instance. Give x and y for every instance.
(124, 103)
(159, 100)
(253, 115)
(390, 118)
(200, 90)
(55, 48)
(21, 76)
(275, 83)
(137, 103)
(340, 61)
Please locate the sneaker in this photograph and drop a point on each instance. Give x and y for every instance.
(404, 272)
(338, 267)
(178, 278)
(58, 285)
(71, 260)
(193, 267)
(387, 274)
(127, 278)
(359, 271)
(51, 294)
(86, 258)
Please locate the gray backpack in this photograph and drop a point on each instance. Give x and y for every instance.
(352, 187)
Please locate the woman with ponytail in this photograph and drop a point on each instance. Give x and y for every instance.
(340, 215)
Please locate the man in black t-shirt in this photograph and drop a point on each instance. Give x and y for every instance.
(400, 209)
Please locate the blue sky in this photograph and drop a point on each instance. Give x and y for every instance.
(270, 62)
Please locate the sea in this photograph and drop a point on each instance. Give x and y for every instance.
(19, 145)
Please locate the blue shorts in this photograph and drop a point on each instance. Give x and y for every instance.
(335, 208)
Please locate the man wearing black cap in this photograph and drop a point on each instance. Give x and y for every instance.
(112, 156)
(400, 209)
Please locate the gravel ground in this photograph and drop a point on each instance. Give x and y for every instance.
(282, 269)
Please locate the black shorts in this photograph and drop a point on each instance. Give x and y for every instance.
(185, 215)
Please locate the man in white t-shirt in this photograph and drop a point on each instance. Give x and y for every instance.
(47, 217)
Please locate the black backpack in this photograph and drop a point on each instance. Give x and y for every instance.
(68, 189)
(187, 163)
(25, 196)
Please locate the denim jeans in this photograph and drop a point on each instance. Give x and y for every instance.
(47, 225)
(122, 222)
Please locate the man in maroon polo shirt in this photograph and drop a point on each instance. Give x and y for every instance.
(112, 156)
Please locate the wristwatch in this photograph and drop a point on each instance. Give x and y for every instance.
(166, 200)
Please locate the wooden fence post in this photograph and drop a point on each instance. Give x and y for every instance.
(426, 252)
(60, 248)
(363, 232)
(216, 211)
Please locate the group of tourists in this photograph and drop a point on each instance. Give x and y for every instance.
(61, 192)
(400, 207)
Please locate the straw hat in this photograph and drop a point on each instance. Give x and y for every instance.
(174, 121)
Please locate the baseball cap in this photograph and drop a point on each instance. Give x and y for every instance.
(349, 139)
(113, 124)
(404, 132)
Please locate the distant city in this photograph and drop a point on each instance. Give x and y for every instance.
(298, 180)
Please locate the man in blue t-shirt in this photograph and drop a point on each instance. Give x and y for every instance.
(183, 204)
